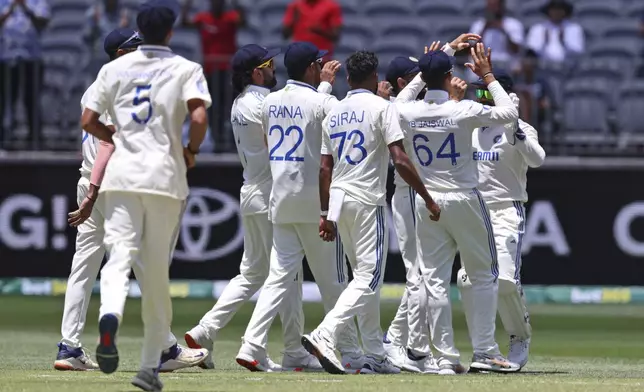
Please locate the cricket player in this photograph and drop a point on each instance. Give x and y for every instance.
(148, 95)
(254, 76)
(440, 131)
(358, 135)
(503, 154)
(407, 339)
(89, 219)
(292, 119)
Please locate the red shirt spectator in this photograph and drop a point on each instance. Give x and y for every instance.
(315, 21)
(218, 30)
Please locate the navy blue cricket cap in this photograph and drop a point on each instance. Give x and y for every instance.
(249, 57)
(300, 55)
(123, 38)
(502, 76)
(156, 18)
(401, 66)
(435, 63)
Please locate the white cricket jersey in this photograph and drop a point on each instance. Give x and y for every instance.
(146, 94)
(246, 118)
(357, 133)
(89, 143)
(292, 119)
(441, 129)
(503, 154)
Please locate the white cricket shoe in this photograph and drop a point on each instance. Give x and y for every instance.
(397, 354)
(425, 365)
(352, 362)
(497, 364)
(450, 369)
(319, 346)
(378, 366)
(519, 350)
(73, 359)
(301, 363)
(198, 338)
(179, 357)
(255, 359)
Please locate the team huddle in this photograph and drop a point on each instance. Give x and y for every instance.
(315, 175)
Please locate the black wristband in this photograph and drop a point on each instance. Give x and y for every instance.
(89, 198)
(193, 152)
(487, 73)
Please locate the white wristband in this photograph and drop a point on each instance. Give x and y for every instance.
(324, 213)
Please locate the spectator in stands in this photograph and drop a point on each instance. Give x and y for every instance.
(218, 29)
(102, 17)
(315, 21)
(21, 23)
(502, 33)
(537, 98)
(557, 39)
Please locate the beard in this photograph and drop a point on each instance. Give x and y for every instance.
(270, 83)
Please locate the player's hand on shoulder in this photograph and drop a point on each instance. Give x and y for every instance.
(458, 89)
(329, 71)
(84, 211)
(434, 210)
(384, 89)
(327, 230)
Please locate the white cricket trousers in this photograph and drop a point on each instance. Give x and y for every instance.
(141, 226)
(409, 327)
(508, 221)
(253, 271)
(364, 234)
(291, 242)
(464, 225)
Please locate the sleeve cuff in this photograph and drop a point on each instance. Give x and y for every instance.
(448, 50)
(325, 88)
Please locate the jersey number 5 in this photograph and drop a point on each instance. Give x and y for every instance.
(358, 145)
(427, 156)
(142, 96)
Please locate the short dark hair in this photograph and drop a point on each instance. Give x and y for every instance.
(361, 65)
(296, 74)
(434, 83)
(241, 80)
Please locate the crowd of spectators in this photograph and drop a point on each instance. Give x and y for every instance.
(519, 48)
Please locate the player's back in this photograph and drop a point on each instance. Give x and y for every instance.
(354, 134)
(148, 88)
(293, 124)
(441, 136)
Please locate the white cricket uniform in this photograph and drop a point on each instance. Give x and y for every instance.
(89, 245)
(357, 133)
(292, 119)
(503, 154)
(145, 184)
(409, 327)
(246, 118)
(441, 134)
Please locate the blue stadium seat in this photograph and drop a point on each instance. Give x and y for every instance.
(630, 116)
(357, 27)
(597, 8)
(443, 8)
(59, 6)
(607, 70)
(635, 9)
(417, 28)
(530, 9)
(386, 46)
(447, 30)
(350, 44)
(475, 9)
(622, 28)
(272, 12)
(627, 48)
(586, 112)
(389, 9)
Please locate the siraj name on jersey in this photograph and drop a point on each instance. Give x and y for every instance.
(283, 111)
(345, 118)
(439, 123)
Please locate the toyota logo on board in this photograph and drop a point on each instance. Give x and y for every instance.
(211, 226)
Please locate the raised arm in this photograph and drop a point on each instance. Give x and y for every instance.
(524, 137)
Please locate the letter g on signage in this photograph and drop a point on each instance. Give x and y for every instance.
(211, 226)
(622, 229)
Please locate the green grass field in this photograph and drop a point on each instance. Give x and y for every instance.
(575, 348)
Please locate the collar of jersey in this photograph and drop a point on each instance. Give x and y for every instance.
(301, 84)
(359, 91)
(156, 48)
(436, 95)
(259, 89)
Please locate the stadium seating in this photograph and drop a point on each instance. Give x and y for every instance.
(403, 27)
